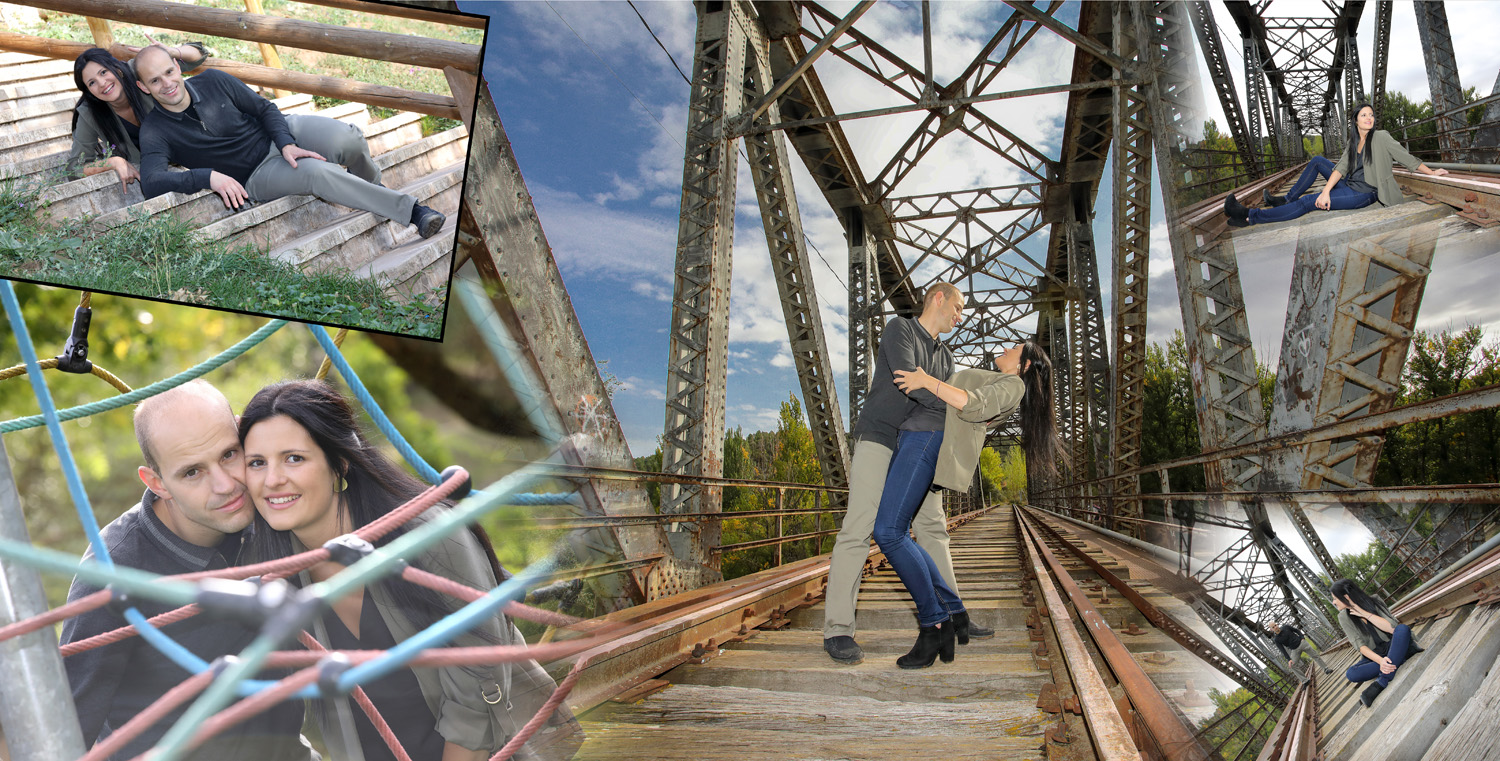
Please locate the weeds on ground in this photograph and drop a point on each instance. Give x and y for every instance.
(160, 257)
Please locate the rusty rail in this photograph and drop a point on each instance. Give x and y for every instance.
(1107, 727)
(1296, 734)
(1162, 620)
(1161, 723)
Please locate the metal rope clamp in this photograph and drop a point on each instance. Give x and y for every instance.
(75, 353)
(348, 549)
(330, 670)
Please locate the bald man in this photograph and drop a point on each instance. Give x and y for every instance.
(239, 145)
(190, 519)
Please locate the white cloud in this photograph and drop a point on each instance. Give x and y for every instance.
(587, 238)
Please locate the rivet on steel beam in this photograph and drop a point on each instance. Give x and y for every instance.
(1129, 627)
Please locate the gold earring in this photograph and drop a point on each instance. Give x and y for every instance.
(343, 484)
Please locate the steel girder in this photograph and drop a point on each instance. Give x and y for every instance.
(1258, 100)
(1350, 318)
(1132, 165)
(1218, 71)
(697, 359)
(1442, 77)
(1283, 123)
(1382, 53)
(529, 296)
(770, 170)
(864, 309)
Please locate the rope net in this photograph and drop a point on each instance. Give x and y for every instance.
(212, 687)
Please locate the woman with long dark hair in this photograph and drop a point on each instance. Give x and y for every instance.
(1361, 177)
(313, 477)
(977, 399)
(1383, 642)
(107, 119)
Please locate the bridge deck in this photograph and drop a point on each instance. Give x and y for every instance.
(777, 695)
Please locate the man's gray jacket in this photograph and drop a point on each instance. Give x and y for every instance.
(992, 396)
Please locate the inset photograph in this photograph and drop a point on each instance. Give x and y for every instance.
(295, 160)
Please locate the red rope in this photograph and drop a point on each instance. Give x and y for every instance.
(247, 708)
(470, 594)
(153, 713)
(280, 568)
(386, 733)
(542, 714)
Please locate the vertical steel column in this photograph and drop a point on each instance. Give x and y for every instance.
(1354, 83)
(864, 308)
(1218, 69)
(1090, 329)
(1132, 255)
(1256, 98)
(697, 360)
(1382, 54)
(36, 704)
(1442, 77)
(771, 172)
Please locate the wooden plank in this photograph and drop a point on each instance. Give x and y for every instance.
(308, 35)
(1473, 734)
(406, 11)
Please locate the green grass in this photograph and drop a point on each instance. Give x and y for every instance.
(160, 257)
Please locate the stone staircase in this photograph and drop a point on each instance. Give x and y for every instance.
(37, 97)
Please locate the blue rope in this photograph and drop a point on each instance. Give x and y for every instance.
(382, 422)
(529, 500)
(169, 647)
(54, 426)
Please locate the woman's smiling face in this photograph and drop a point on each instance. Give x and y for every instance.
(290, 479)
(1366, 119)
(102, 83)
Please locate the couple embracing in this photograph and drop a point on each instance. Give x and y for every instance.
(921, 430)
(292, 472)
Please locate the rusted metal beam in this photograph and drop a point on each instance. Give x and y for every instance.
(1162, 722)
(1296, 735)
(1476, 198)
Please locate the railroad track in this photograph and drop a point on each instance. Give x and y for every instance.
(737, 670)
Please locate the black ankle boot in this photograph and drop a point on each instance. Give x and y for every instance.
(933, 642)
(1368, 696)
(1238, 215)
(963, 629)
(1272, 200)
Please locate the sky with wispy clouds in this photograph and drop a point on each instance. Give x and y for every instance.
(596, 112)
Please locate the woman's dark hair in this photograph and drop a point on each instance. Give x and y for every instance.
(1348, 591)
(1038, 429)
(103, 115)
(376, 486)
(1354, 136)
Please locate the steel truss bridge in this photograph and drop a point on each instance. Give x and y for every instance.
(1025, 252)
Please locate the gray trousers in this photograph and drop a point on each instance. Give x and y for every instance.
(867, 470)
(1306, 647)
(340, 143)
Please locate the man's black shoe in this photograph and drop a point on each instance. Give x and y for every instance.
(963, 629)
(1272, 200)
(844, 650)
(1327, 671)
(1368, 696)
(1238, 215)
(428, 221)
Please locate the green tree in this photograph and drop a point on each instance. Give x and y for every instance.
(1247, 729)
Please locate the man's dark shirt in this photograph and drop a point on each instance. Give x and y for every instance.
(112, 684)
(234, 129)
(904, 345)
(1287, 640)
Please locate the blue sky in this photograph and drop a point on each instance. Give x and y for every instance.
(595, 111)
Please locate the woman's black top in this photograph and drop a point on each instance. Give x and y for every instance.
(397, 696)
(133, 131)
(1356, 180)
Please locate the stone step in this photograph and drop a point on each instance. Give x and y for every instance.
(294, 217)
(37, 112)
(350, 242)
(114, 209)
(27, 145)
(16, 86)
(421, 266)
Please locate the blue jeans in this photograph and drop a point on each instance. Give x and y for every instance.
(1341, 196)
(906, 484)
(1366, 669)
